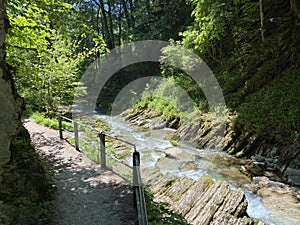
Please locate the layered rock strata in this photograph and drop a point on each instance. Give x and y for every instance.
(201, 202)
(203, 133)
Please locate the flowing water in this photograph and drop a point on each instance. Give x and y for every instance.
(194, 163)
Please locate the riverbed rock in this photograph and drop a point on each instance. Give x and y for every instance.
(165, 164)
(201, 202)
(206, 131)
(179, 153)
(277, 196)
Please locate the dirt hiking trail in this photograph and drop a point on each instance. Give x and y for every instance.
(86, 194)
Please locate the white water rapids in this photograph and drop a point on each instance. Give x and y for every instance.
(219, 165)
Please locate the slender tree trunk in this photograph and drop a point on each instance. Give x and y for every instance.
(261, 12)
(99, 30)
(132, 14)
(128, 19)
(111, 25)
(120, 26)
(106, 33)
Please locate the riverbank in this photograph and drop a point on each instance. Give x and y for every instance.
(262, 185)
(281, 162)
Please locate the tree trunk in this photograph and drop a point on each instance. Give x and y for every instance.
(126, 15)
(132, 14)
(104, 21)
(111, 26)
(120, 27)
(261, 13)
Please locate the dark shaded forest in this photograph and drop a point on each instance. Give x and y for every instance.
(251, 46)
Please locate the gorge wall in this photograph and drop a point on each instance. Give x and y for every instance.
(11, 102)
(23, 180)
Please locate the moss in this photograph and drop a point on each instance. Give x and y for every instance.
(169, 182)
(173, 142)
(207, 180)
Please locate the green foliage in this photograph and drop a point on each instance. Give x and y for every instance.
(212, 21)
(161, 20)
(256, 74)
(159, 214)
(42, 119)
(188, 62)
(44, 57)
(51, 43)
(159, 95)
(273, 112)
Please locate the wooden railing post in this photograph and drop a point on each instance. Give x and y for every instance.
(102, 150)
(76, 136)
(60, 127)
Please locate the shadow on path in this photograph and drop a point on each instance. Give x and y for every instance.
(85, 195)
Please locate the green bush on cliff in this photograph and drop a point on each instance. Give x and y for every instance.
(159, 214)
(273, 112)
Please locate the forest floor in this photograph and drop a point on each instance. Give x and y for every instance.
(85, 193)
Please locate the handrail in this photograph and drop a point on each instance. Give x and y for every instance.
(138, 190)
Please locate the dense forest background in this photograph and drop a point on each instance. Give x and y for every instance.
(251, 46)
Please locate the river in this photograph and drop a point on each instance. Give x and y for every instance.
(195, 163)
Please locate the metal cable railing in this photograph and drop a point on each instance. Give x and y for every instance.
(138, 190)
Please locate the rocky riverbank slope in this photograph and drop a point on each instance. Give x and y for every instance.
(203, 133)
(205, 201)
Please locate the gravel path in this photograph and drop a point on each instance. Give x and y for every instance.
(86, 195)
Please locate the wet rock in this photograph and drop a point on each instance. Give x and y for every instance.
(156, 123)
(260, 223)
(168, 164)
(178, 153)
(188, 166)
(174, 123)
(277, 196)
(293, 176)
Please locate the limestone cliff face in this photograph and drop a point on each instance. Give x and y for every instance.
(10, 102)
(23, 180)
